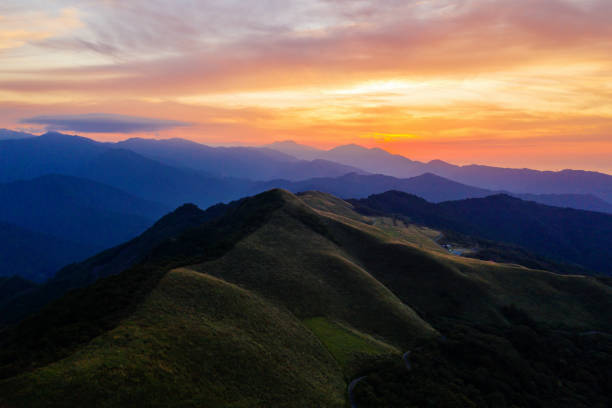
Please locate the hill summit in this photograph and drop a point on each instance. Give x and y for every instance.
(273, 300)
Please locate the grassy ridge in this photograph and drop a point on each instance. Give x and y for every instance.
(292, 260)
(439, 284)
(352, 349)
(195, 341)
(276, 303)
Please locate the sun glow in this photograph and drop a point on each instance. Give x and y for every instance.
(323, 75)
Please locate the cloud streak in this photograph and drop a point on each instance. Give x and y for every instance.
(324, 71)
(103, 123)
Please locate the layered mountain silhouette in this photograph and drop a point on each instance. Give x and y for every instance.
(54, 220)
(175, 171)
(430, 187)
(74, 196)
(239, 162)
(521, 181)
(35, 255)
(6, 134)
(302, 294)
(566, 235)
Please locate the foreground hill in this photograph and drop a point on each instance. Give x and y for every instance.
(566, 235)
(273, 300)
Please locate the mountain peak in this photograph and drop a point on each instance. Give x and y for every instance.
(53, 136)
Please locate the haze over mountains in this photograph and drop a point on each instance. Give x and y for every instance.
(494, 178)
(82, 196)
(192, 164)
(305, 292)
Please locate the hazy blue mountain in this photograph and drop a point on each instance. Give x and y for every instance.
(76, 210)
(562, 234)
(6, 134)
(533, 181)
(373, 160)
(296, 150)
(108, 262)
(517, 181)
(587, 202)
(141, 175)
(158, 182)
(242, 162)
(135, 174)
(430, 187)
(34, 255)
(51, 221)
(46, 154)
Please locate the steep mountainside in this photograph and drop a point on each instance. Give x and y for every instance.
(275, 300)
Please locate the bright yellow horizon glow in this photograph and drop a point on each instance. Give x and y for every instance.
(481, 82)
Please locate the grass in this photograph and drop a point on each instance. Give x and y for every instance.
(296, 264)
(348, 346)
(275, 304)
(196, 341)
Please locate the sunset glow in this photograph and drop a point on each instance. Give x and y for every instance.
(524, 83)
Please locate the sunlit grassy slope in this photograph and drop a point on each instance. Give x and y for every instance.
(277, 303)
(349, 347)
(437, 283)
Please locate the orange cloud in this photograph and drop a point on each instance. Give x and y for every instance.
(516, 80)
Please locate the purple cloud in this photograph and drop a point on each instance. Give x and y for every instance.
(103, 123)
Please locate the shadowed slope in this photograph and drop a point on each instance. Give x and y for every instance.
(565, 235)
(211, 316)
(195, 341)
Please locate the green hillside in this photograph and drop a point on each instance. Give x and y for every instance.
(280, 300)
(195, 341)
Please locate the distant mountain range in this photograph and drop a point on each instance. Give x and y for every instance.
(522, 181)
(53, 220)
(430, 187)
(6, 134)
(74, 196)
(176, 171)
(59, 153)
(239, 162)
(34, 255)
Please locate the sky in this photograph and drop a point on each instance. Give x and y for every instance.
(514, 83)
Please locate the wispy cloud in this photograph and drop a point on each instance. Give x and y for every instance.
(103, 123)
(330, 71)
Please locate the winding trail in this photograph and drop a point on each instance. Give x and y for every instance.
(351, 387)
(405, 358)
(354, 383)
